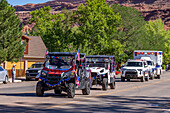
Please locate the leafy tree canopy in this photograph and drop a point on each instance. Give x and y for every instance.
(11, 48)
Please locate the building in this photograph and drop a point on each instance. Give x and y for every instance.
(34, 52)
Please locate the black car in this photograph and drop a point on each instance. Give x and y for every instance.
(34, 70)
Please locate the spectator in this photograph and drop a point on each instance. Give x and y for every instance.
(167, 67)
(13, 73)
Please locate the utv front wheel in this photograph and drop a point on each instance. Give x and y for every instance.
(105, 84)
(112, 83)
(86, 91)
(39, 89)
(71, 90)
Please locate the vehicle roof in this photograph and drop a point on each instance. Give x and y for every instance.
(146, 51)
(65, 53)
(99, 56)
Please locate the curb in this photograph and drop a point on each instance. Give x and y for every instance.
(15, 81)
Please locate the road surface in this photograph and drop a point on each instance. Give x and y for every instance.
(133, 96)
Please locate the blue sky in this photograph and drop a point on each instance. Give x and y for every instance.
(23, 2)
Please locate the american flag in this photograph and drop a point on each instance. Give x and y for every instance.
(46, 52)
(78, 55)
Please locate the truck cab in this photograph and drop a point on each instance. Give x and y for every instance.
(135, 69)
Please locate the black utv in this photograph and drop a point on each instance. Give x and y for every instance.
(64, 71)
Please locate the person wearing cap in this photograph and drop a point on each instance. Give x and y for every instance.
(13, 73)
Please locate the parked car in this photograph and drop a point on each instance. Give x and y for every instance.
(34, 70)
(3, 75)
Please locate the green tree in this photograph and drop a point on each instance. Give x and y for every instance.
(157, 38)
(55, 30)
(166, 54)
(130, 33)
(96, 24)
(11, 48)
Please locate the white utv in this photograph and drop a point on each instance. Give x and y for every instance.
(102, 70)
(135, 69)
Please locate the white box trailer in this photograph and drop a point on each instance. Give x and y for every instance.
(156, 56)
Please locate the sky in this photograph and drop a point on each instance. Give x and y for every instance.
(23, 2)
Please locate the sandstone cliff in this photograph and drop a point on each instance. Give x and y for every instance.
(151, 9)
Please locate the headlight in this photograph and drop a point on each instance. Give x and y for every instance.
(39, 71)
(27, 71)
(139, 69)
(44, 73)
(70, 73)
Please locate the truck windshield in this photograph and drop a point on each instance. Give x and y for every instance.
(63, 62)
(149, 63)
(36, 66)
(134, 64)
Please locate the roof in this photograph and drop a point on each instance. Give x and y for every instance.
(100, 56)
(36, 47)
(65, 53)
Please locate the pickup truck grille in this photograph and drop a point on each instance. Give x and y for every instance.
(33, 71)
(131, 73)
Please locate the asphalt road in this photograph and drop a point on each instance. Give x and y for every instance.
(133, 96)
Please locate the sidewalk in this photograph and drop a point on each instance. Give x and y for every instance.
(17, 80)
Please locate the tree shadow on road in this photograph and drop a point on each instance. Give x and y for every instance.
(102, 104)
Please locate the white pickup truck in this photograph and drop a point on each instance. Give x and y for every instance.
(135, 69)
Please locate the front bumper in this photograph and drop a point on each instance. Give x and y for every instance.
(132, 74)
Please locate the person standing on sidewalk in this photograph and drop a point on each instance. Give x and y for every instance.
(167, 67)
(13, 73)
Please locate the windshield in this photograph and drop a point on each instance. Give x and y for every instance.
(97, 64)
(134, 64)
(60, 62)
(149, 63)
(36, 66)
